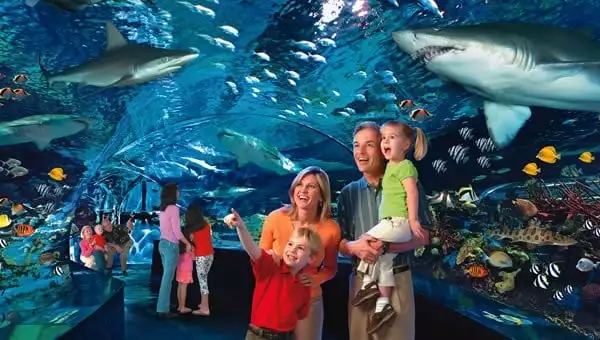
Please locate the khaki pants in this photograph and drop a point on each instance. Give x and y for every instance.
(110, 255)
(403, 302)
(252, 336)
(311, 328)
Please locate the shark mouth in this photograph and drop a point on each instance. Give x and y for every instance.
(428, 53)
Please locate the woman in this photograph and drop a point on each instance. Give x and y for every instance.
(310, 197)
(168, 247)
(203, 252)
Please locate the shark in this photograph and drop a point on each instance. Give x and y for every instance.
(42, 129)
(122, 64)
(512, 66)
(248, 149)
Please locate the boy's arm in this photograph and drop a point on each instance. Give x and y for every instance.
(246, 240)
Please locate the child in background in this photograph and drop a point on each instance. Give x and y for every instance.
(98, 240)
(398, 216)
(184, 271)
(86, 247)
(279, 298)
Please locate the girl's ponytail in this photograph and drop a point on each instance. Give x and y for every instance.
(420, 144)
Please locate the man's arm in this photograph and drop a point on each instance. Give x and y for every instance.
(410, 245)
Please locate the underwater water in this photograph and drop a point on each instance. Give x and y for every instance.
(231, 107)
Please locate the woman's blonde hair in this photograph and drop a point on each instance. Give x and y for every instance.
(324, 209)
(409, 132)
(83, 230)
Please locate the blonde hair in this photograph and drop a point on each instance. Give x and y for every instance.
(98, 226)
(83, 230)
(409, 132)
(312, 237)
(324, 209)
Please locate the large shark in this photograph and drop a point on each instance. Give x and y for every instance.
(41, 129)
(512, 66)
(248, 149)
(123, 64)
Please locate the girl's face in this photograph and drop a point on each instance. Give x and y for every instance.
(87, 233)
(394, 144)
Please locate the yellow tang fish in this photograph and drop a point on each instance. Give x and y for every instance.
(587, 157)
(548, 155)
(531, 169)
(57, 174)
(5, 221)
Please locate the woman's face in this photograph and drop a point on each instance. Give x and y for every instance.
(307, 194)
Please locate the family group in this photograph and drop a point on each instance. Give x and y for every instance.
(381, 218)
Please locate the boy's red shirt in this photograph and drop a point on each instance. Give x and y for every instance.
(279, 299)
(99, 239)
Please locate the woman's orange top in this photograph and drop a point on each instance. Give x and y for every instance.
(277, 230)
(203, 241)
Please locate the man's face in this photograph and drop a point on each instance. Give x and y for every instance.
(367, 151)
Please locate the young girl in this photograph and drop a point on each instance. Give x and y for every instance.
(87, 249)
(203, 252)
(184, 271)
(398, 215)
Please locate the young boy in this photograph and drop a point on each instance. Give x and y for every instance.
(279, 299)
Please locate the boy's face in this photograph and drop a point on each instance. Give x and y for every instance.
(296, 253)
(98, 229)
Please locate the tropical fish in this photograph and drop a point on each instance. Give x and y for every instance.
(406, 104)
(531, 169)
(24, 230)
(49, 257)
(498, 259)
(541, 281)
(3, 243)
(5, 221)
(459, 153)
(444, 198)
(57, 174)
(58, 270)
(586, 265)
(20, 79)
(536, 269)
(467, 195)
(586, 157)
(17, 209)
(558, 295)
(10, 163)
(485, 144)
(526, 206)
(548, 155)
(532, 235)
(466, 133)
(553, 270)
(476, 271)
(439, 166)
(483, 162)
(419, 115)
(6, 93)
(571, 171)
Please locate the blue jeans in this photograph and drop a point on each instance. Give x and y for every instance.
(169, 254)
(100, 264)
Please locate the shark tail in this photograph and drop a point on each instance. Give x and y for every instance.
(45, 72)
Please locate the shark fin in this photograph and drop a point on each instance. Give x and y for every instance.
(114, 38)
(241, 162)
(31, 3)
(504, 121)
(41, 142)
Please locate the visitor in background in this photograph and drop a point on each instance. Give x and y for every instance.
(357, 213)
(203, 252)
(184, 271)
(98, 242)
(168, 247)
(117, 241)
(310, 197)
(86, 247)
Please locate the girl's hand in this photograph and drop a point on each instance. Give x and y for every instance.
(306, 279)
(188, 248)
(416, 228)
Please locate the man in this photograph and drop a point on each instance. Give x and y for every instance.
(118, 241)
(357, 213)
